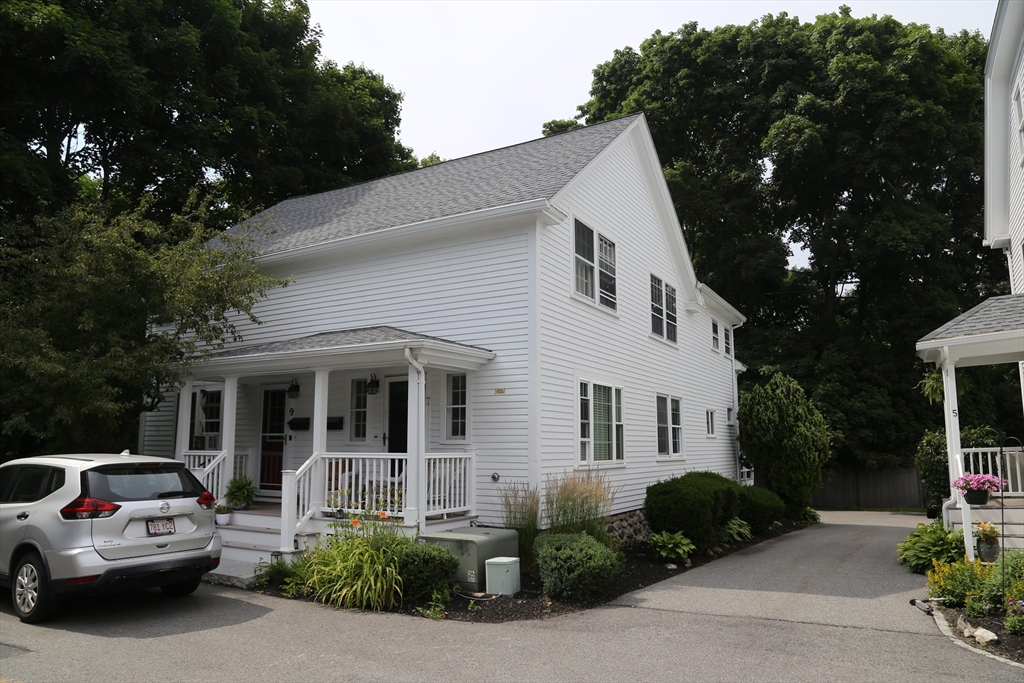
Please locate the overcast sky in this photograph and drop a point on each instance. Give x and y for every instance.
(482, 75)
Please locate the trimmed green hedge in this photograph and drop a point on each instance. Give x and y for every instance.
(574, 566)
(425, 567)
(760, 508)
(699, 504)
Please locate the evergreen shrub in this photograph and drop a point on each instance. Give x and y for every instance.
(760, 508)
(574, 566)
(426, 568)
(698, 504)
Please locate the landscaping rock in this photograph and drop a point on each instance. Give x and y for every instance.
(962, 625)
(984, 636)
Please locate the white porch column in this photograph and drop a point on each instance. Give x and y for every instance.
(184, 420)
(320, 435)
(228, 420)
(953, 454)
(416, 481)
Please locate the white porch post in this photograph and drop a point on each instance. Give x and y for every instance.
(227, 426)
(416, 486)
(184, 420)
(320, 435)
(952, 414)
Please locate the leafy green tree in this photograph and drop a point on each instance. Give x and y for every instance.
(556, 126)
(98, 316)
(932, 460)
(785, 439)
(157, 98)
(430, 160)
(860, 140)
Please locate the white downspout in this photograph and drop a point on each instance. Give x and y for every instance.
(736, 405)
(419, 466)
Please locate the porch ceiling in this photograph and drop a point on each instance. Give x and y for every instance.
(365, 347)
(989, 334)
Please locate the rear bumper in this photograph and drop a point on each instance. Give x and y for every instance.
(133, 574)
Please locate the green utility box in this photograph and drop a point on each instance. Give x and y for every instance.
(474, 546)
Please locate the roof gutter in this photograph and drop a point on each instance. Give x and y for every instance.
(532, 206)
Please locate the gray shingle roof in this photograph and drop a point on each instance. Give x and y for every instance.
(334, 340)
(531, 170)
(996, 314)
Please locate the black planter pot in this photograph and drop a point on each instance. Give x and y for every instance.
(976, 496)
(988, 549)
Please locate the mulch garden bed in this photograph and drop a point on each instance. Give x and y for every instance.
(1009, 646)
(639, 570)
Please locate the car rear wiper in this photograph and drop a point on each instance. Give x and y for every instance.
(171, 494)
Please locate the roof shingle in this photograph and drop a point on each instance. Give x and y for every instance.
(996, 314)
(531, 170)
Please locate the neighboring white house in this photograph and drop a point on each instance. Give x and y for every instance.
(505, 317)
(993, 331)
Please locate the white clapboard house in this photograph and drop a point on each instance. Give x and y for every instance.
(993, 332)
(505, 317)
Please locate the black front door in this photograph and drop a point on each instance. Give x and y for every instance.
(398, 416)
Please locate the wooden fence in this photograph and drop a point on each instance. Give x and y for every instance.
(844, 490)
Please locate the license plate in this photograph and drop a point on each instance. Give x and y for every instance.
(160, 527)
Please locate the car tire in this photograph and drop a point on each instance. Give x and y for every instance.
(30, 590)
(180, 590)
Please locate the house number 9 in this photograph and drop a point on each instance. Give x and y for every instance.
(291, 411)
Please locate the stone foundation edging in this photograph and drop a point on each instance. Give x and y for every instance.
(630, 528)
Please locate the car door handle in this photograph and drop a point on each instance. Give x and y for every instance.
(22, 517)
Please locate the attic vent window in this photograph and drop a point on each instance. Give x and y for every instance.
(595, 254)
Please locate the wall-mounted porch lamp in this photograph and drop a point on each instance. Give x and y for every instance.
(372, 384)
(293, 390)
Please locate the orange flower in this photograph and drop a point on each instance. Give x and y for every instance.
(355, 523)
(383, 514)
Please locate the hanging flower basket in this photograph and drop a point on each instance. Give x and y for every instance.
(976, 496)
(976, 487)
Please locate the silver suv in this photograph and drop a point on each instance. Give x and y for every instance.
(97, 523)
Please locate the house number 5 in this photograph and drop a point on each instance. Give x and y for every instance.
(954, 413)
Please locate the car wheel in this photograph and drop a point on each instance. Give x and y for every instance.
(30, 590)
(179, 590)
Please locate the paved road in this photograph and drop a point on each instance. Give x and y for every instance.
(825, 604)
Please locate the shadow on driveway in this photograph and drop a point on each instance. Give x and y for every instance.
(147, 614)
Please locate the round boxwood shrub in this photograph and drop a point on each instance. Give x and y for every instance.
(425, 567)
(760, 508)
(574, 566)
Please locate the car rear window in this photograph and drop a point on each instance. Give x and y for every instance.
(117, 483)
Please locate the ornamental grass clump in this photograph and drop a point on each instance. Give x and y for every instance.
(520, 504)
(579, 503)
(358, 566)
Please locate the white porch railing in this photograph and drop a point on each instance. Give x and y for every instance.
(987, 461)
(449, 484)
(365, 483)
(298, 502)
(210, 467)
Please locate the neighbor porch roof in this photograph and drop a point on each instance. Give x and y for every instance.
(990, 333)
(363, 347)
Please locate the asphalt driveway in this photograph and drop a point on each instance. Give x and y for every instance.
(825, 604)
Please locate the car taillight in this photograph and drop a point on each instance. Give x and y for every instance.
(207, 501)
(88, 508)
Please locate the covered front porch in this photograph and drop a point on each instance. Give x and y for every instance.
(359, 421)
(991, 333)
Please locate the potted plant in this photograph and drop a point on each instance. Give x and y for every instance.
(222, 513)
(976, 487)
(988, 541)
(241, 493)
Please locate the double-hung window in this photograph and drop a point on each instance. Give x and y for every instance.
(601, 428)
(727, 337)
(455, 408)
(663, 309)
(710, 419)
(670, 426)
(595, 265)
(715, 344)
(206, 412)
(358, 412)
